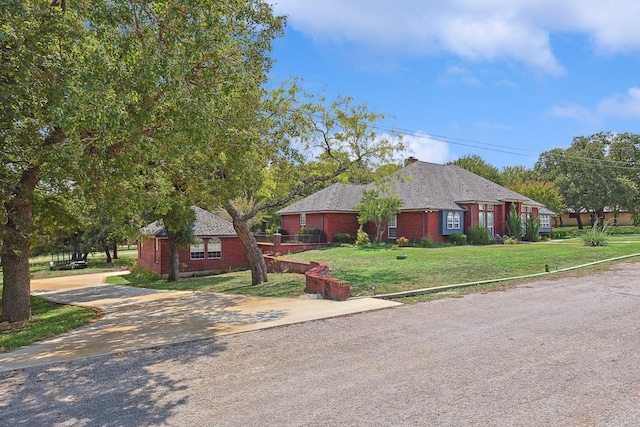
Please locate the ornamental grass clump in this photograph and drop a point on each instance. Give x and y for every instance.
(598, 235)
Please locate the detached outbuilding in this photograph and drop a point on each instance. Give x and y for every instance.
(217, 248)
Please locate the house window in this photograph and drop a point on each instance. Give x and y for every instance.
(490, 222)
(303, 219)
(197, 250)
(485, 217)
(214, 248)
(453, 221)
(545, 222)
(393, 224)
(156, 247)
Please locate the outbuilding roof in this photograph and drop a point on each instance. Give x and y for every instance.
(206, 224)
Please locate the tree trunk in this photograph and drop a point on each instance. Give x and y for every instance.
(579, 220)
(107, 253)
(115, 250)
(174, 254)
(16, 245)
(254, 254)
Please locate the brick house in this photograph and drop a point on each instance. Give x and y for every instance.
(217, 248)
(437, 201)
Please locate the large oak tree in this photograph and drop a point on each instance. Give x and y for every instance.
(94, 93)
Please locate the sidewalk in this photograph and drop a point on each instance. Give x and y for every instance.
(136, 318)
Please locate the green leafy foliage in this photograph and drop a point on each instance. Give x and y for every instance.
(532, 229)
(514, 223)
(597, 235)
(477, 235)
(362, 238)
(344, 238)
(378, 208)
(457, 239)
(478, 166)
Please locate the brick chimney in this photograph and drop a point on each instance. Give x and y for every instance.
(410, 160)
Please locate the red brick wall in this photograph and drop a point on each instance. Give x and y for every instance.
(331, 223)
(146, 256)
(233, 257)
(340, 223)
(316, 277)
(412, 225)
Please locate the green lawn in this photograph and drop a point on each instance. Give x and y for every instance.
(422, 267)
(425, 268)
(239, 282)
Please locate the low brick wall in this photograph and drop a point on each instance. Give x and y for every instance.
(288, 248)
(316, 277)
(329, 287)
(278, 265)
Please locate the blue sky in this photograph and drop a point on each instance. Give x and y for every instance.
(505, 80)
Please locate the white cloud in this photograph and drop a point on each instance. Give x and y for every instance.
(627, 106)
(488, 30)
(423, 147)
(575, 112)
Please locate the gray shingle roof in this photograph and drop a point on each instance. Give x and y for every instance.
(421, 186)
(206, 224)
(337, 197)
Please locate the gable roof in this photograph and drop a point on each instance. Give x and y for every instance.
(206, 224)
(338, 197)
(421, 186)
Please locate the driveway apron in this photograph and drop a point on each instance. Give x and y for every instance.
(136, 318)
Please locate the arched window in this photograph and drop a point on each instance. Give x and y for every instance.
(197, 250)
(450, 221)
(453, 220)
(456, 220)
(214, 248)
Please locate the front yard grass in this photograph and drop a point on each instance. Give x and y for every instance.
(422, 267)
(239, 282)
(48, 320)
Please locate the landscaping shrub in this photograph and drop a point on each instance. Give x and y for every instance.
(457, 239)
(533, 227)
(514, 223)
(344, 238)
(558, 235)
(477, 235)
(311, 235)
(425, 242)
(362, 238)
(596, 236)
(402, 242)
(510, 241)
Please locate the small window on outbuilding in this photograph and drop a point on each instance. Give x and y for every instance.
(303, 219)
(214, 248)
(197, 250)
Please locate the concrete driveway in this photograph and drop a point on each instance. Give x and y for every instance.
(136, 318)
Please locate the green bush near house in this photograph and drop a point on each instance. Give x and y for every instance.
(311, 235)
(477, 235)
(457, 239)
(344, 238)
(362, 238)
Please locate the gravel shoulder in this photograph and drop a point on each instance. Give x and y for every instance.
(549, 352)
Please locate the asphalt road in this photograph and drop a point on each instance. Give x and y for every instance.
(549, 353)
